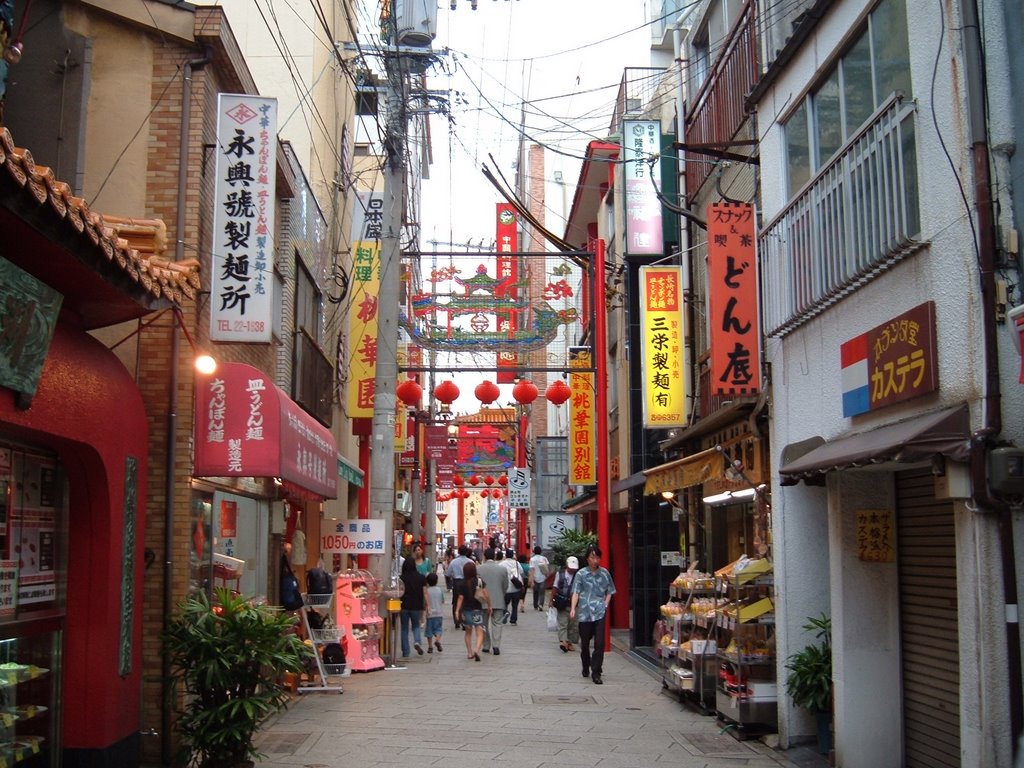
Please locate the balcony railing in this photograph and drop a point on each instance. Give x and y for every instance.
(637, 97)
(719, 110)
(314, 378)
(856, 218)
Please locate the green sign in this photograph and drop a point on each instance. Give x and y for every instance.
(28, 315)
(347, 472)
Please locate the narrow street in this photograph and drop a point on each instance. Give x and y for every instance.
(528, 707)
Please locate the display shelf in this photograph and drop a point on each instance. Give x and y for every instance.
(357, 595)
(25, 728)
(326, 677)
(688, 668)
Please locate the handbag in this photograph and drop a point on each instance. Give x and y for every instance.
(481, 594)
(561, 601)
(517, 583)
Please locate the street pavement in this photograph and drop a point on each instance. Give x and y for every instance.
(530, 707)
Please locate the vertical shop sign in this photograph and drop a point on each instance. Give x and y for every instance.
(582, 413)
(228, 519)
(365, 288)
(508, 275)
(661, 321)
(641, 141)
(241, 297)
(892, 362)
(875, 536)
(732, 300)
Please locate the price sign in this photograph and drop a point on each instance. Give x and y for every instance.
(363, 537)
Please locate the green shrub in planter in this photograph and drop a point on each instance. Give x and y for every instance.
(810, 670)
(571, 543)
(228, 659)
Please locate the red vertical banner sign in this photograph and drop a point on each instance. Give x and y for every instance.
(732, 300)
(582, 411)
(506, 224)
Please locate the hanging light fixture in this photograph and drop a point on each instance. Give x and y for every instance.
(474, 480)
(525, 392)
(409, 392)
(446, 392)
(503, 480)
(488, 479)
(487, 392)
(558, 392)
(458, 480)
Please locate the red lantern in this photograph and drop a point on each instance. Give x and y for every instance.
(463, 493)
(409, 392)
(487, 392)
(457, 480)
(558, 392)
(474, 480)
(446, 392)
(484, 493)
(503, 480)
(489, 480)
(524, 392)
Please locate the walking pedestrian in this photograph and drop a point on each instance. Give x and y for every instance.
(592, 591)
(524, 564)
(435, 615)
(423, 564)
(470, 608)
(495, 578)
(515, 585)
(455, 572)
(414, 601)
(539, 569)
(561, 601)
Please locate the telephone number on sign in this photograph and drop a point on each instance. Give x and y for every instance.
(248, 325)
(343, 543)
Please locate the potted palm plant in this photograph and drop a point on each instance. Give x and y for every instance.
(228, 659)
(809, 683)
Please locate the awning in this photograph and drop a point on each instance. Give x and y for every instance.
(682, 473)
(944, 432)
(247, 427)
(626, 483)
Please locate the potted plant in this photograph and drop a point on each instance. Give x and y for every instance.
(810, 678)
(571, 543)
(228, 661)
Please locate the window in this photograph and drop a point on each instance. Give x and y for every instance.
(875, 66)
(308, 302)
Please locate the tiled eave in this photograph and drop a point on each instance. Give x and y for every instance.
(109, 269)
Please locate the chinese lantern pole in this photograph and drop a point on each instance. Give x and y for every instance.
(521, 514)
(601, 395)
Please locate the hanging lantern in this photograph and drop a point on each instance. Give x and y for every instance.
(409, 392)
(558, 392)
(463, 493)
(525, 392)
(457, 480)
(442, 516)
(503, 480)
(484, 493)
(474, 480)
(489, 480)
(446, 392)
(487, 392)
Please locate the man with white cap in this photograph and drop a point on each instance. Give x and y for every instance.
(561, 599)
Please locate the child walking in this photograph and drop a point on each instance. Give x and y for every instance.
(435, 601)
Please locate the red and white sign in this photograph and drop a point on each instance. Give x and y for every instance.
(641, 141)
(247, 427)
(508, 269)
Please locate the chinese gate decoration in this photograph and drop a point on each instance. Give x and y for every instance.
(661, 311)
(582, 411)
(732, 300)
(241, 305)
(365, 281)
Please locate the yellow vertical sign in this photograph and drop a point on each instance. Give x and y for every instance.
(661, 323)
(362, 320)
(582, 416)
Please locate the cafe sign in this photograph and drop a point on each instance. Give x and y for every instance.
(890, 363)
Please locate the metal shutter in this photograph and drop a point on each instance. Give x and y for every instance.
(926, 545)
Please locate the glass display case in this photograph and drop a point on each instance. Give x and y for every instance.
(29, 695)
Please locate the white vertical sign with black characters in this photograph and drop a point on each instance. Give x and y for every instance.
(519, 487)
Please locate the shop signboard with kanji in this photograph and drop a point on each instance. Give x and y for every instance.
(365, 288)
(582, 417)
(245, 169)
(732, 300)
(893, 362)
(876, 536)
(661, 326)
(506, 226)
(641, 148)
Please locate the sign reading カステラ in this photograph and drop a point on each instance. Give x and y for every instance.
(892, 362)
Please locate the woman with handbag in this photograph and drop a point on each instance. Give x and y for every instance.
(561, 601)
(472, 601)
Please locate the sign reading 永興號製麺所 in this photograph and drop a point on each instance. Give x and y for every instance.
(241, 280)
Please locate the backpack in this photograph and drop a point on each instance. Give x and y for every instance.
(318, 582)
(562, 599)
(291, 600)
(316, 621)
(333, 654)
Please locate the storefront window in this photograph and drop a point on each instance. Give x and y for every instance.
(200, 552)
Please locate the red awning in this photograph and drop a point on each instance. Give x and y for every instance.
(247, 427)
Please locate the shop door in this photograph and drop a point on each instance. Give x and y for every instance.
(926, 543)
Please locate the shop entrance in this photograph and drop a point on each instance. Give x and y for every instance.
(930, 653)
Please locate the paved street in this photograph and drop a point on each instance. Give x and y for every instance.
(529, 707)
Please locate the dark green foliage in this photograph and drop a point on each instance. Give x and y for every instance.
(810, 679)
(571, 543)
(227, 666)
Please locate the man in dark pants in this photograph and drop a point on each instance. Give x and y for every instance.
(454, 573)
(592, 591)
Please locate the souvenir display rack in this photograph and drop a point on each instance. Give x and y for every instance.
(686, 644)
(357, 595)
(327, 676)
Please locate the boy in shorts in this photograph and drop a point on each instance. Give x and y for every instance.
(435, 601)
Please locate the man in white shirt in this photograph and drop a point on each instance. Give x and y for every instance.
(539, 568)
(512, 597)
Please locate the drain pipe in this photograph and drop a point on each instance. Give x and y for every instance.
(974, 73)
(172, 409)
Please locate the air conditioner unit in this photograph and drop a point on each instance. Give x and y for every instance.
(402, 502)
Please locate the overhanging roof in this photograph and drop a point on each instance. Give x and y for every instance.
(945, 433)
(586, 200)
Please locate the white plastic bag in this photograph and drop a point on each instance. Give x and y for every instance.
(552, 620)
